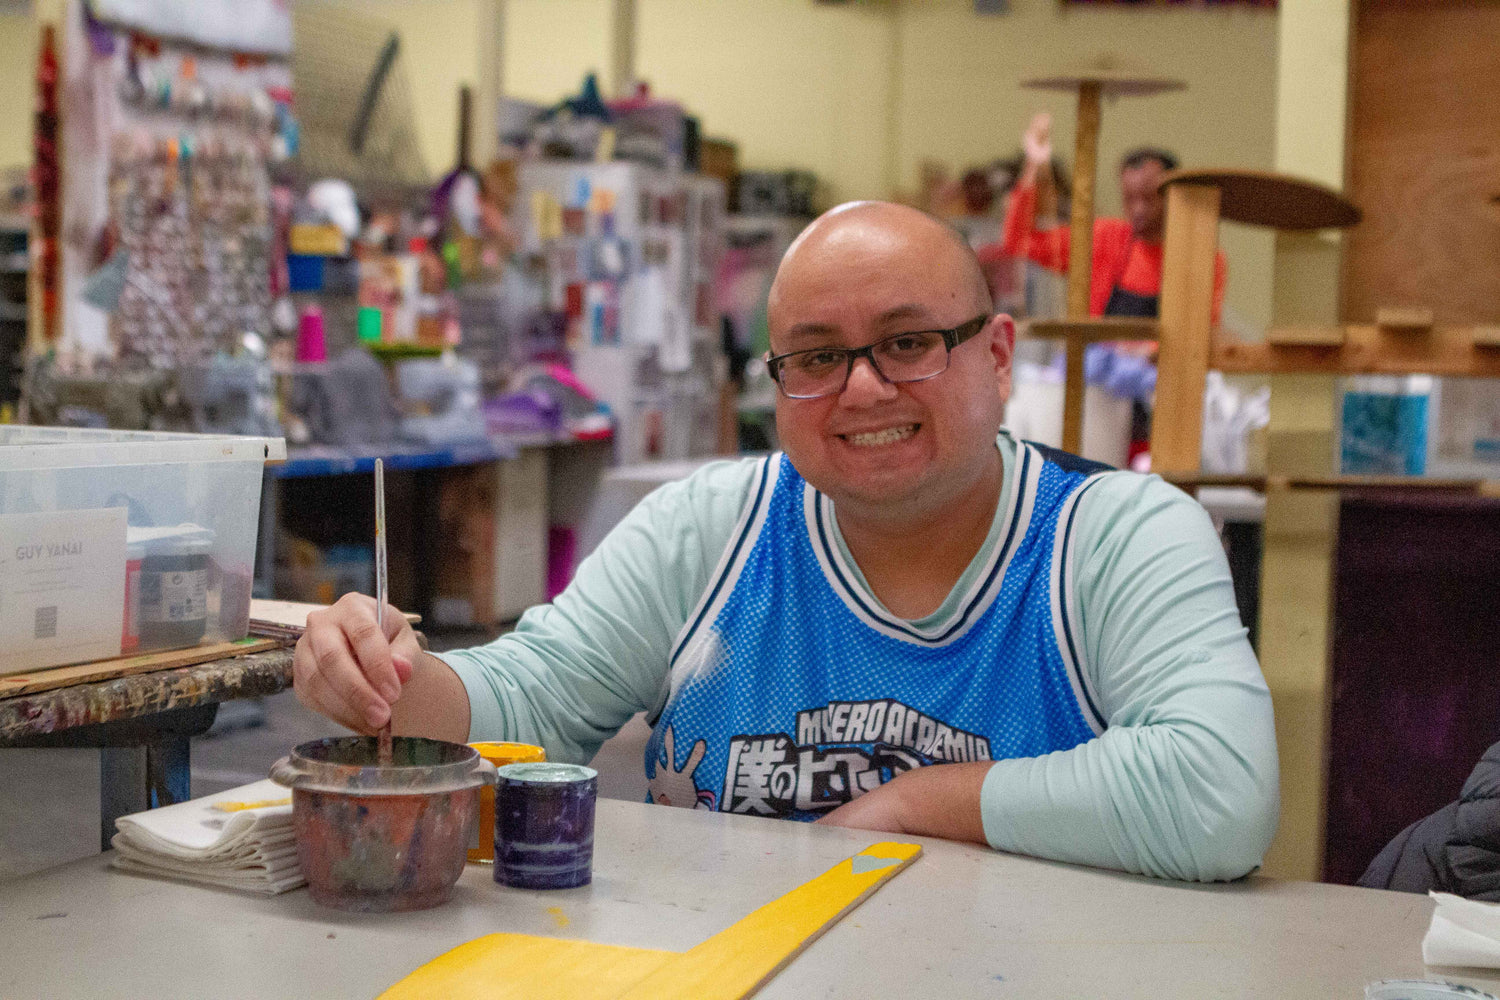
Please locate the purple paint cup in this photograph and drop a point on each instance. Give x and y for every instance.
(544, 825)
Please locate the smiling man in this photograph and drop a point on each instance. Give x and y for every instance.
(908, 622)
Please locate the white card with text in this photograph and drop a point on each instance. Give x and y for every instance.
(62, 587)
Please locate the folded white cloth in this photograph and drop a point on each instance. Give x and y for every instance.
(241, 838)
(1462, 932)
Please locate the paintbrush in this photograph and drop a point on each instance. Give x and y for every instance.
(380, 591)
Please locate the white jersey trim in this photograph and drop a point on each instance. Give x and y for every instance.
(821, 524)
(727, 573)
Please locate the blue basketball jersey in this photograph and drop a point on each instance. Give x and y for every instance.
(792, 691)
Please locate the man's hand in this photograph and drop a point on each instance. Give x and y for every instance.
(879, 809)
(347, 670)
(1036, 141)
(940, 800)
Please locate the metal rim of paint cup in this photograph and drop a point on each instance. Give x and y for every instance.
(546, 773)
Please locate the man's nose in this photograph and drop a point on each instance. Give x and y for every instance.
(865, 384)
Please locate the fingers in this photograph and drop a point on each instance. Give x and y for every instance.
(339, 683)
(346, 668)
(314, 690)
(372, 651)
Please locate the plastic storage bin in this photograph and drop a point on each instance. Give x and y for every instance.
(118, 542)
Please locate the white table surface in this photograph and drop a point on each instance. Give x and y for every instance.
(960, 922)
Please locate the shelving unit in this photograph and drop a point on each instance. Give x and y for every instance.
(1303, 504)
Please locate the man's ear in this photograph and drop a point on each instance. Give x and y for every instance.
(1000, 336)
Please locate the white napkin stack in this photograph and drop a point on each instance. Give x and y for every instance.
(241, 848)
(1463, 932)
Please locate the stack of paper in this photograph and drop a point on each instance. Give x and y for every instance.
(241, 839)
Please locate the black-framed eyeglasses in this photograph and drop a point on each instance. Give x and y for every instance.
(902, 357)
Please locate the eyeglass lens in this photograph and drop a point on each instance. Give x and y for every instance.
(905, 357)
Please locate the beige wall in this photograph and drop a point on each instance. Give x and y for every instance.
(18, 42)
(795, 84)
(550, 44)
(439, 53)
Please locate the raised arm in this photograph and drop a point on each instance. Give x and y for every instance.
(1020, 237)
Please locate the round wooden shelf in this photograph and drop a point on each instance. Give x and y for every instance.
(1115, 77)
(1259, 198)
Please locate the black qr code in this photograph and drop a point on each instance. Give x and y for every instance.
(46, 623)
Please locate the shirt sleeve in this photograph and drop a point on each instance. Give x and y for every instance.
(1048, 248)
(1183, 782)
(574, 671)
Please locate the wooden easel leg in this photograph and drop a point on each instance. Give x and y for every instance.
(1081, 257)
(1186, 316)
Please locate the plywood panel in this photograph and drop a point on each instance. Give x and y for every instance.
(1424, 160)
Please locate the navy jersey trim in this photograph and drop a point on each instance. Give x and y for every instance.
(1063, 552)
(1069, 462)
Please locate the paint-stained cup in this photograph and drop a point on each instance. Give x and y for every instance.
(499, 754)
(544, 825)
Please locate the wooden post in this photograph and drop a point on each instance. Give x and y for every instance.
(1081, 254)
(622, 48)
(490, 49)
(1186, 315)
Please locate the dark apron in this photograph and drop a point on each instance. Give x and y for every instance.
(1123, 303)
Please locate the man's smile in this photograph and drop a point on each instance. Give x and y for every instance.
(888, 435)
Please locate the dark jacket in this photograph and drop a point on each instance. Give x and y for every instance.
(1456, 849)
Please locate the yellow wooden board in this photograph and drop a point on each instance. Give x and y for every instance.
(741, 959)
(733, 963)
(521, 967)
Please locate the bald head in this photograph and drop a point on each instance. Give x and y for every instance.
(850, 241)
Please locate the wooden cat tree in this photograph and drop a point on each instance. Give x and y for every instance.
(1100, 77)
(1400, 342)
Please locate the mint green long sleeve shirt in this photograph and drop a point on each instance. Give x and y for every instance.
(1182, 783)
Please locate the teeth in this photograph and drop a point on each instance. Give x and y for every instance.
(888, 436)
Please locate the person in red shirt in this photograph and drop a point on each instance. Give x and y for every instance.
(1126, 276)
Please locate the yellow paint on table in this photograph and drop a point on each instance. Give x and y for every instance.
(234, 807)
(732, 964)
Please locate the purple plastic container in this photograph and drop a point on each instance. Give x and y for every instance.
(544, 825)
